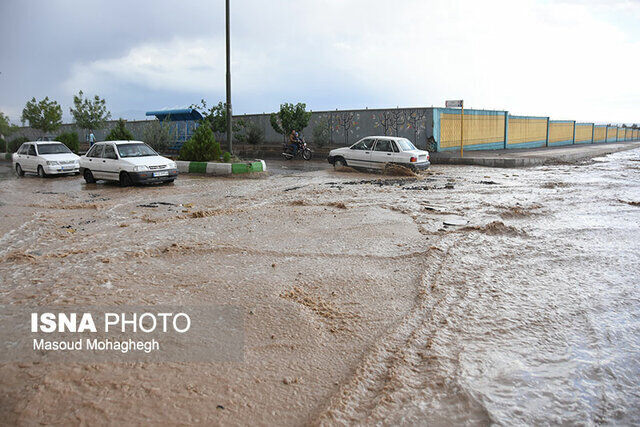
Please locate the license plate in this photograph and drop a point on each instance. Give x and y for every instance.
(163, 173)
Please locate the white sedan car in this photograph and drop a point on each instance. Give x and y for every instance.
(45, 158)
(127, 162)
(376, 152)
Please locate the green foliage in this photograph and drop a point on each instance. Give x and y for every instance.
(202, 146)
(89, 114)
(70, 139)
(15, 143)
(6, 128)
(290, 117)
(120, 132)
(158, 135)
(216, 117)
(44, 115)
(253, 134)
(321, 133)
(226, 157)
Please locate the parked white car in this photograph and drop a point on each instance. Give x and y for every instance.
(45, 158)
(127, 162)
(376, 152)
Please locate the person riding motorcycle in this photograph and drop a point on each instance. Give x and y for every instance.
(295, 142)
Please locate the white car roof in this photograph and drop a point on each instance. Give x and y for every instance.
(42, 142)
(394, 138)
(121, 142)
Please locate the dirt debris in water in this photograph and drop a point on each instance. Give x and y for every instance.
(369, 315)
(495, 228)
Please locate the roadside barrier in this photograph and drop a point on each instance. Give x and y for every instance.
(221, 169)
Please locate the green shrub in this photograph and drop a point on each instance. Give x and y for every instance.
(201, 147)
(15, 143)
(321, 133)
(70, 139)
(254, 134)
(158, 135)
(120, 132)
(226, 157)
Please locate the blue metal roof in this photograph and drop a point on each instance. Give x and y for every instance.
(176, 115)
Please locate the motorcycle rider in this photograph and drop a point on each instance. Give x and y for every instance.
(295, 142)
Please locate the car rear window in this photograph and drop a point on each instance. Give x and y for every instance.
(405, 144)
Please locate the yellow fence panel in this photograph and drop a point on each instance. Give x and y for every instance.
(560, 131)
(523, 130)
(611, 134)
(584, 133)
(478, 129)
(600, 134)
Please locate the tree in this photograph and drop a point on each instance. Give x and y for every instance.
(44, 115)
(216, 117)
(202, 146)
(70, 139)
(290, 117)
(119, 132)
(158, 135)
(253, 134)
(321, 132)
(6, 129)
(89, 114)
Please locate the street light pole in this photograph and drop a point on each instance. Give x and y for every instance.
(229, 109)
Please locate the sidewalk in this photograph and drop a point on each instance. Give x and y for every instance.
(531, 157)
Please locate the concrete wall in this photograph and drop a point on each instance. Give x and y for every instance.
(483, 129)
(348, 126)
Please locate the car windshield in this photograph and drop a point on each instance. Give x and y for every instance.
(53, 149)
(135, 150)
(405, 144)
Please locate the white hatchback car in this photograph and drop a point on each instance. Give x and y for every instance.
(376, 152)
(45, 158)
(127, 162)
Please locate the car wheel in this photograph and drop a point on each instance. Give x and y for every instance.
(88, 177)
(339, 163)
(41, 173)
(125, 179)
(169, 181)
(19, 170)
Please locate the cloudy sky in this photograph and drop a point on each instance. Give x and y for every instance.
(570, 59)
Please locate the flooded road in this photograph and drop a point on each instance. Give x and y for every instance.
(464, 295)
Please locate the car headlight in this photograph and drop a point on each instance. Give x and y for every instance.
(172, 165)
(140, 168)
(52, 163)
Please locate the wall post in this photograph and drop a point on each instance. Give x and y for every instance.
(546, 143)
(574, 132)
(506, 129)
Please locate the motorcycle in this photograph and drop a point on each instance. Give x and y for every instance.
(303, 151)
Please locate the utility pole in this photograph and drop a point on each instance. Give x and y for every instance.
(229, 109)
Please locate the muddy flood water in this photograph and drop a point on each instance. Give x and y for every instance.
(465, 295)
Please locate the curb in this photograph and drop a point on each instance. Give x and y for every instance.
(221, 169)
